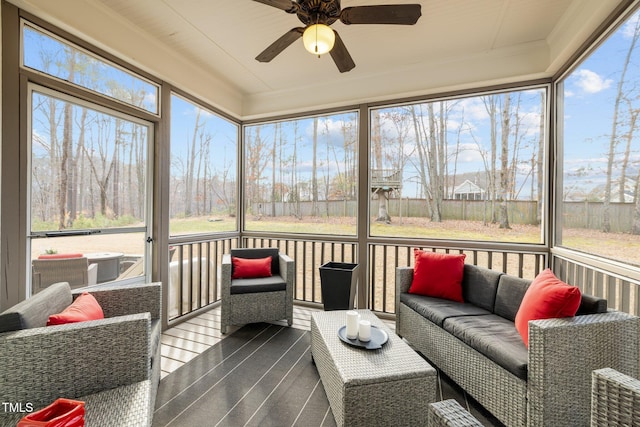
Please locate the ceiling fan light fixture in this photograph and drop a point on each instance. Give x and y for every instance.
(318, 39)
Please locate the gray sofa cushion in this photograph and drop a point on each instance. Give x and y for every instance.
(254, 253)
(34, 311)
(479, 286)
(511, 290)
(260, 284)
(437, 309)
(494, 337)
(591, 305)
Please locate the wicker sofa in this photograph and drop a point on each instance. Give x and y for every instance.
(113, 364)
(477, 345)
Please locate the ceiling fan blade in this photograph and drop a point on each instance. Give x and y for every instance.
(341, 56)
(400, 14)
(281, 44)
(288, 6)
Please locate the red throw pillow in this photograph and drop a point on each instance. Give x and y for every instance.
(250, 268)
(546, 298)
(438, 275)
(85, 307)
(59, 256)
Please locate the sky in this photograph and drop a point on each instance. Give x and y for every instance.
(589, 95)
(589, 98)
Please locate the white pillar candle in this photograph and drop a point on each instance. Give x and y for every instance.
(364, 331)
(352, 324)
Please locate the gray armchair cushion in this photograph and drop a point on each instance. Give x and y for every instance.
(495, 337)
(479, 286)
(438, 309)
(511, 290)
(253, 253)
(34, 311)
(261, 284)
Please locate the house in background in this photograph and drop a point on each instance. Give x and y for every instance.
(468, 191)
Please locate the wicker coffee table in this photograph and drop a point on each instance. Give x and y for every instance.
(392, 385)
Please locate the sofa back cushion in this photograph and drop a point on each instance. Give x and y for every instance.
(511, 290)
(591, 305)
(254, 253)
(35, 311)
(479, 286)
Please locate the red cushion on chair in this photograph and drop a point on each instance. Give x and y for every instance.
(438, 275)
(59, 256)
(546, 298)
(250, 268)
(85, 307)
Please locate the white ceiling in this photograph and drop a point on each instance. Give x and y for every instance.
(207, 47)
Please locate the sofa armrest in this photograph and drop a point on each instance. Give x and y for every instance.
(404, 277)
(225, 276)
(75, 359)
(121, 300)
(562, 355)
(615, 397)
(287, 268)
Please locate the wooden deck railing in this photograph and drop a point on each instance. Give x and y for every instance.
(621, 292)
(195, 274)
(194, 267)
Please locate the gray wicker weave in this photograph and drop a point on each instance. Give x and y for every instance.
(449, 413)
(615, 399)
(107, 408)
(239, 309)
(389, 386)
(81, 359)
(75, 271)
(562, 354)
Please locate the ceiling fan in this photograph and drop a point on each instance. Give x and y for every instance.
(317, 15)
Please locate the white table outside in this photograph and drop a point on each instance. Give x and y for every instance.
(108, 264)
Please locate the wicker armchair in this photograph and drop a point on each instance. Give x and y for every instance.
(113, 364)
(247, 301)
(615, 399)
(75, 271)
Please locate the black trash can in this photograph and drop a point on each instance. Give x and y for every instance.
(338, 282)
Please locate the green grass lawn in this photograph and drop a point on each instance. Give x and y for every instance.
(620, 246)
(419, 228)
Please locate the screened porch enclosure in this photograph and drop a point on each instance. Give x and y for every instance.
(150, 182)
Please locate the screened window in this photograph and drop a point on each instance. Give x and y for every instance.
(598, 201)
(204, 152)
(46, 53)
(89, 193)
(301, 175)
(468, 168)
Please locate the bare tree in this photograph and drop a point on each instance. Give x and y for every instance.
(192, 154)
(628, 137)
(257, 156)
(540, 159)
(613, 139)
(431, 148)
(314, 171)
(504, 162)
(491, 106)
